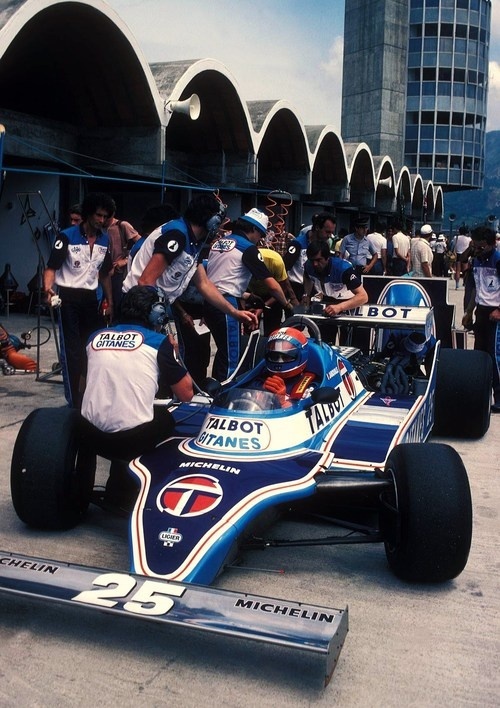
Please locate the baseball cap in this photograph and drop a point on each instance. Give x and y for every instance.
(426, 229)
(257, 218)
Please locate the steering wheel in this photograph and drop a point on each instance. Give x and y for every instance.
(303, 322)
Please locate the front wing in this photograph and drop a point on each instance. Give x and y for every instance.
(233, 614)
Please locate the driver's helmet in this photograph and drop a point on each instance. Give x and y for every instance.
(286, 352)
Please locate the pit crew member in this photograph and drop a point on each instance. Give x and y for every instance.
(79, 260)
(129, 364)
(232, 261)
(169, 257)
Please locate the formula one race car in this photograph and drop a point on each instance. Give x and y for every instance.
(352, 448)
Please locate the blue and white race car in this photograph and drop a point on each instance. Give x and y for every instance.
(354, 448)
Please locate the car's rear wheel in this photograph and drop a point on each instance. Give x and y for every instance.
(426, 518)
(52, 475)
(463, 393)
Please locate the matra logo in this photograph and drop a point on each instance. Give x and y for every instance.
(224, 244)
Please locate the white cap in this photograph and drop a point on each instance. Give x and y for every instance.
(426, 230)
(258, 219)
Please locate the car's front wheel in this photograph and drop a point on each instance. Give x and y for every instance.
(52, 475)
(426, 517)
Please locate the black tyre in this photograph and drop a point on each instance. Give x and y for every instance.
(426, 519)
(51, 477)
(463, 393)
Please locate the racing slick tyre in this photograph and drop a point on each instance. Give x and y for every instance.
(51, 476)
(426, 518)
(463, 393)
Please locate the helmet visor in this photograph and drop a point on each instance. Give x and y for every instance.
(280, 351)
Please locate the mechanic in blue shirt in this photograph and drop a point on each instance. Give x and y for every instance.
(358, 250)
(322, 229)
(170, 256)
(334, 281)
(486, 271)
(232, 261)
(79, 260)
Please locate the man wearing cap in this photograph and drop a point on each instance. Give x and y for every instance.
(358, 250)
(421, 253)
(232, 261)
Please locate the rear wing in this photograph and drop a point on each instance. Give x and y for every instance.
(390, 317)
(376, 320)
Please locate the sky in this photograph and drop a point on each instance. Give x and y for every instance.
(274, 49)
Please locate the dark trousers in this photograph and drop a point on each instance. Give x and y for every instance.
(116, 288)
(194, 349)
(77, 321)
(123, 446)
(272, 318)
(438, 266)
(127, 444)
(399, 266)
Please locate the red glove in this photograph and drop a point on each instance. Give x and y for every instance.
(275, 384)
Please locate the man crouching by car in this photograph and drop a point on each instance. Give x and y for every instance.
(128, 365)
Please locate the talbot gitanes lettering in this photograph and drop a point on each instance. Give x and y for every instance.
(246, 426)
(272, 608)
(29, 565)
(234, 434)
(117, 340)
(322, 413)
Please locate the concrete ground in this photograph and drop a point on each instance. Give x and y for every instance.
(408, 645)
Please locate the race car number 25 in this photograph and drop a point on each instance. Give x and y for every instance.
(148, 597)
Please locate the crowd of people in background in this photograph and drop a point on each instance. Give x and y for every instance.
(203, 277)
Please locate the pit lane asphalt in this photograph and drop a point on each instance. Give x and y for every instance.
(408, 645)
